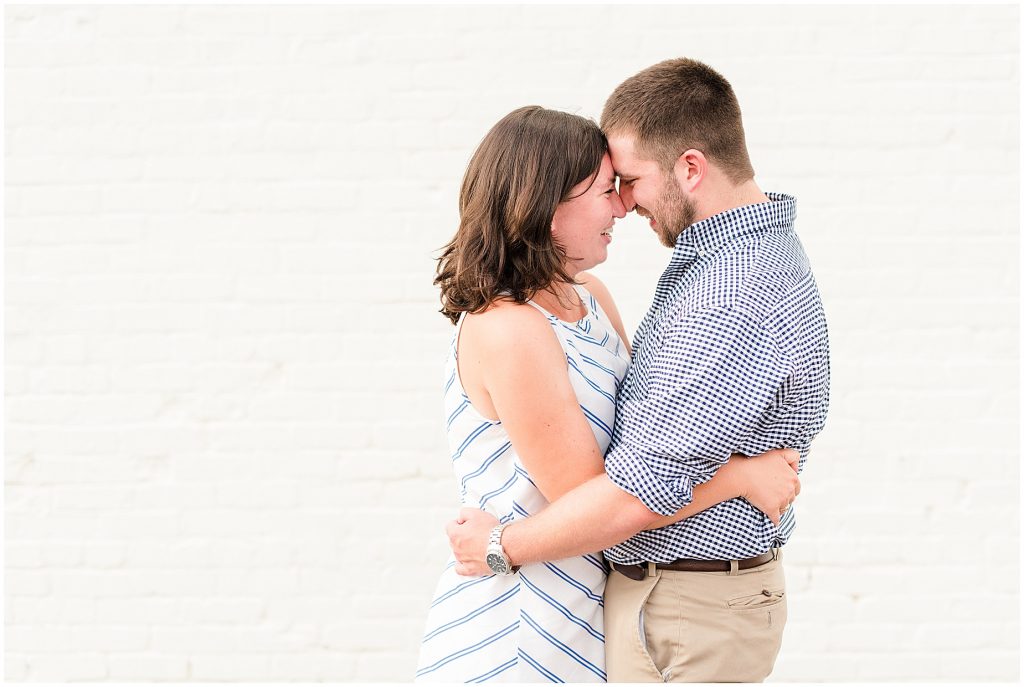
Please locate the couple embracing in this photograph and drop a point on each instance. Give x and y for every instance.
(676, 457)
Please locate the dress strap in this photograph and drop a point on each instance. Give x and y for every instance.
(456, 333)
(585, 300)
(588, 300)
(542, 310)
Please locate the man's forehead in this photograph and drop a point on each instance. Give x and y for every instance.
(623, 155)
(621, 144)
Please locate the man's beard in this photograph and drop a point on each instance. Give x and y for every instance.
(676, 212)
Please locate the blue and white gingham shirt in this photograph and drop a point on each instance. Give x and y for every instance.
(732, 357)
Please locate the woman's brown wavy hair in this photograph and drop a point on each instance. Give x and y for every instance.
(525, 166)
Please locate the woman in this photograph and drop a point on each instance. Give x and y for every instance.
(535, 361)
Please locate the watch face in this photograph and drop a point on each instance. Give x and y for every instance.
(496, 563)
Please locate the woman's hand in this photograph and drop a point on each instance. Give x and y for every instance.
(768, 481)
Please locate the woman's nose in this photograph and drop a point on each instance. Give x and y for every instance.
(626, 198)
(618, 206)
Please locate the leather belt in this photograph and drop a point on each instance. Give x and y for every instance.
(639, 570)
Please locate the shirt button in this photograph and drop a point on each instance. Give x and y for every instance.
(701, 253)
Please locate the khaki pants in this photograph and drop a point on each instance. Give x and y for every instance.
(695, 626)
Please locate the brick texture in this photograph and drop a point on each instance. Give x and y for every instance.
(224, 454)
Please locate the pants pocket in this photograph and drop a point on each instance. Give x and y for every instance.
(659, 627)
(627, 657)
(766, 598)
(760, 620)
(641, 627)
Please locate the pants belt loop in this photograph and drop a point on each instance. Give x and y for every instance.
(651, 570)
(734, 567)
(775, 553)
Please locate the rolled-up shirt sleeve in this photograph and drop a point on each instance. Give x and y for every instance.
(710, 380)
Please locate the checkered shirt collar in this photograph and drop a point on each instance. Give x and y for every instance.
(708, 235)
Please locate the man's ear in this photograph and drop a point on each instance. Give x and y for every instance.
(690, 169)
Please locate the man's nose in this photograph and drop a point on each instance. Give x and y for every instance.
(626, 194)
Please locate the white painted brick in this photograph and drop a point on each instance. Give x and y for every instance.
(53, 232)
(427, 493)
(30, 584)
(104, 555)
(132, 523)
(37, 638)
(15, 668)
(302, 614)
(100, 468)
(386, 605)
(109, 637)
(224, 610)
(371, 665)
(70, 379)
(19, 555)
(194, 640)
(318, 666)
(229, 667)
(268, 495)
(805, 637)
(223, 522)
(221, 328)
(49, 610)
(183, 583)
(283, 582)
(980, 665)
(50, 526)
(68, 667)
(22, 350)
(135, 22)
(966, 635)
(205, 466)
(145, 612)
(1001, 578)
(16, 380)
(395, 464)
(99, 584)
(147, 668)
(59, 554)
(902, 666)
(815, 667)
(170, 552)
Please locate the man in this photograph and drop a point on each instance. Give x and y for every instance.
(732, 357)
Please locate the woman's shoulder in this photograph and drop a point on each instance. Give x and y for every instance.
(509, 332)
(504, 320)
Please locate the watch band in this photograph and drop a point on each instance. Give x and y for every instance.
(496, 535)
(497, 560)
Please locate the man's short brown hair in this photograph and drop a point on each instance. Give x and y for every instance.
(676, 105)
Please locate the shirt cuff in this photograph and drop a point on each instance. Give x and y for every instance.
(631, 472)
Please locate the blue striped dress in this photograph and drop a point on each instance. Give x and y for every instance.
(545, 623)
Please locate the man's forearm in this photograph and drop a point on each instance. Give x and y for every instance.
(592, 517)
(723, 486)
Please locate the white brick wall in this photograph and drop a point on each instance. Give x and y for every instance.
(224, 456)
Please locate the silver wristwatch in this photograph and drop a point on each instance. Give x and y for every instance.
(497, 561)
